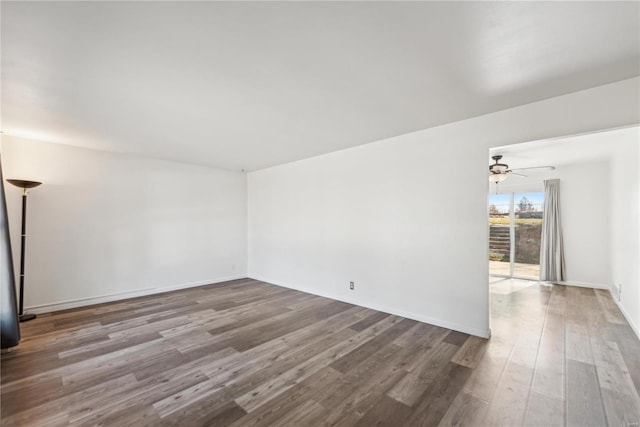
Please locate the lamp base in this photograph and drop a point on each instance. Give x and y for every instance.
(27, 316)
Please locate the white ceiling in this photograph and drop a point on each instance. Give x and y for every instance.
(249, 85)
(588, 148)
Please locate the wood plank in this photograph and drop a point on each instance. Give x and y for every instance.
(368, 321)
(620, 408)
(508, 404)
(118, 406)
(544, 410)
(465, 410)
(344, 391)
(456, 338)
(38, 394)
(412, 386)
(434, 403)
(417, 332)
(360, 353)
(549, 374)
(619, 397)
(49, 412)
(470, 352)
(419, 345)
(133, 406)
(485, 377)
(578, 346)
(609, 308)
(309, 413)
(188, 396)
(360, 390)
(105, 346)
(285, 402)
(584, 402)
(629, 347)
(386, 412)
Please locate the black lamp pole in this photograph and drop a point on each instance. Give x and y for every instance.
(24, 185)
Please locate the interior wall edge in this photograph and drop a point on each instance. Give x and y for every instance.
(482, 333)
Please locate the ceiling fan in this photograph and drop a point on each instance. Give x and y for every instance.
(498, 172)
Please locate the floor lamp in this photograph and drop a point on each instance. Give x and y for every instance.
(24, 185)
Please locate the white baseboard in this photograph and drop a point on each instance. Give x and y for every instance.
(82, 302)
(625, 314)
(582, 285)
(483, 333)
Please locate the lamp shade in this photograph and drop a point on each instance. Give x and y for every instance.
(24, 183)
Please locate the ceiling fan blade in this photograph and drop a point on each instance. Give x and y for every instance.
(517, 174)
(551, 168)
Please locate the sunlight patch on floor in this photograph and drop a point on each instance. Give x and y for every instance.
(508, 286)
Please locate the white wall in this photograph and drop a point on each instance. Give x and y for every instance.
(625, 223)
(376, 216)
(584, 191)
(105, 224)
(406, 218)
(584, 196)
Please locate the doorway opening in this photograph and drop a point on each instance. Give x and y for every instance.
(515, 232)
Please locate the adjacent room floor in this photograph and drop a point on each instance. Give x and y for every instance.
(248, 353)
(531, 271)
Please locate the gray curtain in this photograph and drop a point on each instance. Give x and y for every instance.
(552, 267)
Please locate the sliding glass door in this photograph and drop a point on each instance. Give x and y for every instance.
(500, 234)
(515, 229)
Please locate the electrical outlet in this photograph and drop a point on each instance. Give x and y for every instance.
(351, 286)
(619, 292)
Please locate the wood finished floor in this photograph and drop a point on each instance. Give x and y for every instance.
(246, 353)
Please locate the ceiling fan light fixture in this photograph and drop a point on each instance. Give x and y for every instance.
(497, 177)
(498, 168)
